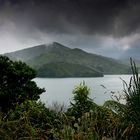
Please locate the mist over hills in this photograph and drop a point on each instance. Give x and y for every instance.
(57, 60)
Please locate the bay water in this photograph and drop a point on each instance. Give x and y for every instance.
(101, 88)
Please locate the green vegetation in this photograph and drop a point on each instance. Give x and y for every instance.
(56, 60)
(15, 83)
(82, 103)
(66, 70)
(83, 120)
(127, 62)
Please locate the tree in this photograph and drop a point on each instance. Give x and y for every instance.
(16, 83)
(82, 103)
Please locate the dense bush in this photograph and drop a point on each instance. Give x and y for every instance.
(31, 120)
(15, 83)
(132, 94)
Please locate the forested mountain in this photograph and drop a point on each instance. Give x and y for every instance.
(127, 62)
(57, 60)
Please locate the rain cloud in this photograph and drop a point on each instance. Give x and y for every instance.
(106, 27)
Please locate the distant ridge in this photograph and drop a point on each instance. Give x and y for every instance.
(57, 60)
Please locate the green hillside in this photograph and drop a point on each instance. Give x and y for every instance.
(127, 62)
(57, 60)
(66, 70)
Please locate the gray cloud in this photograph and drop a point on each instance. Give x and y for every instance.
(107, 27)
(86, 16)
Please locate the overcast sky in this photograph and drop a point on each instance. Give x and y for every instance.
(106, 27)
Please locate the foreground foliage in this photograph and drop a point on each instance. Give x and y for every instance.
(83, 120)
(15, 83)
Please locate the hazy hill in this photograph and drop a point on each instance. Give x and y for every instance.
(57, 60)
(127, 62)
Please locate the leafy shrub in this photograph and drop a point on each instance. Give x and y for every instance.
(15, 83)
(30, 119)
(82, 103)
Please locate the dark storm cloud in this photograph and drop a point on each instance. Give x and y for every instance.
(107, 27)
(114, 17)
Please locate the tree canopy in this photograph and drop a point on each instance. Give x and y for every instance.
(16, 83)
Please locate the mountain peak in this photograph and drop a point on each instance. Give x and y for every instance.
(57, 56)
(29, 53)
(56, 43)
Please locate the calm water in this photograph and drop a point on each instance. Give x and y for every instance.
(60, 89)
